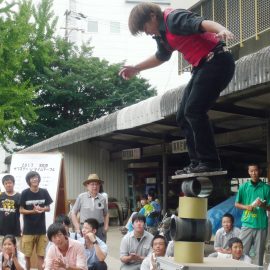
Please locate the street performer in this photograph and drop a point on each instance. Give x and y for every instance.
(202, 44)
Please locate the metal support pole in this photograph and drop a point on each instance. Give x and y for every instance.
(164, 178)
(268, 149)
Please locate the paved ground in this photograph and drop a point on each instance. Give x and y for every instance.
(114, 237)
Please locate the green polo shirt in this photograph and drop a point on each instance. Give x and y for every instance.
(247, 194)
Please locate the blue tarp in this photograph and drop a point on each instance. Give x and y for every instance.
(215, 214)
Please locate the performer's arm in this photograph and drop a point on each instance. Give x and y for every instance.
(214, 27)
(128, 72)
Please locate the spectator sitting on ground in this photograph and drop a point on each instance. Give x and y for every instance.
(65, 253)
(236, 249)
(95, 249)
(159, 245)
(10, 257)
(226, 232)
(135, 245)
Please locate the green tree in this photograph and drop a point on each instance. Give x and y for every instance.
(16, 94)
(79, 88)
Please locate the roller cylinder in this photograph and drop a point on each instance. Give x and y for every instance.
(193, 230)
(200, 187)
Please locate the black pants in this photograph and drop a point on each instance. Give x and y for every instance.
(98, 266)
(204, 88)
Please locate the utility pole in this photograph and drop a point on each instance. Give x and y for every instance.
(71, 16)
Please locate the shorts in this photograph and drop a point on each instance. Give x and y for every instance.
(29, 241)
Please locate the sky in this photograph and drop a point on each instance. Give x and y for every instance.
(164, 77)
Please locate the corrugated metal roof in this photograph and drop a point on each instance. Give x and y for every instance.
(251, 70)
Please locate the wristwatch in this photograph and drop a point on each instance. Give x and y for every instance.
(95, 242)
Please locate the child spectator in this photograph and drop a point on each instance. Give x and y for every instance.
(223, 234)
(10, 257)
(236, 249)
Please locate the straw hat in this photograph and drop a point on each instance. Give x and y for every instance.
(92, 178)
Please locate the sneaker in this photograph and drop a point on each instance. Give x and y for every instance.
(201, 168)
(186, 169)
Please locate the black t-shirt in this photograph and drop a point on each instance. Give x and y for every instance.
(34, 223)
(9, 214)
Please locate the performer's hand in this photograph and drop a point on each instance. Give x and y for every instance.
(128, 72)
(225, 34)
(249, 207)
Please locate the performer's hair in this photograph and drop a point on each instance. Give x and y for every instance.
(141, 14)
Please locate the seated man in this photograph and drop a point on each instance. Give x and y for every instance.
(159, 245)
(95, 249)
(135, 245)
(65, 253)
(236, 248)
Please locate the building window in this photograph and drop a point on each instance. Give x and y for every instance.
(92, 26)
(115, 27)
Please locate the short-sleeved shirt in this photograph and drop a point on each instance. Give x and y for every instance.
(147, 263)
(90, 207)
(90, 253)
(170, 249)
(10, 214)
(75, 256)
(222, 237)
(130, 244)
(34, 224)
(247, 194)
(20, 257)
(179, 22)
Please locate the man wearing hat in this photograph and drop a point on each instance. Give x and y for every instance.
(91, 204)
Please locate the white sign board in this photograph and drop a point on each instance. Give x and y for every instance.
(48, 165)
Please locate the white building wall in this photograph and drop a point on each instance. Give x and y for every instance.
(117, 47)
(183, 3)
(83, 158)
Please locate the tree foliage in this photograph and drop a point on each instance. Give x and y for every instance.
(72, 86)
(16, 93)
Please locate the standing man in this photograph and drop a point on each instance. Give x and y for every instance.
(35, 201)
(135, 245)
(64, 253)
(254, 198)
(9, 210)
(200, 42)
(91, 204)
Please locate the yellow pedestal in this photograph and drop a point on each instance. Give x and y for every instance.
(188, 252)
(191, 207)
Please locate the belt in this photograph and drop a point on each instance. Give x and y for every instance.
(217, 50)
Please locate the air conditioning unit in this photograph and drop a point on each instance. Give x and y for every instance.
(179, 146)
(130, 154)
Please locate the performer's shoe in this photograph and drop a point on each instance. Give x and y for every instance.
(187, 170)
(201, 168)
